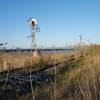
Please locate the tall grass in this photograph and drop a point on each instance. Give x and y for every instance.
(83, 83)
(77, 77)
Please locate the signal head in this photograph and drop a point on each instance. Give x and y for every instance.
(33, 22)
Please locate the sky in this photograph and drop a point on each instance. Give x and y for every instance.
(60, 21)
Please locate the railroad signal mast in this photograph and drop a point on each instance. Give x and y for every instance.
(81, 39)
(34, 29)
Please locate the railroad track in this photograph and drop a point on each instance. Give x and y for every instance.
(24, 76)
(38, 76)
(21, 80)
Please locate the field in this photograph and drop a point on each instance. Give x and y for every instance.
(53, 77)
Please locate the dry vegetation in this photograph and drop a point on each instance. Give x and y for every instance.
(13, 60)
(83, 83)
(77, 77)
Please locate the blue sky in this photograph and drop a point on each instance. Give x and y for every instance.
(61, 21)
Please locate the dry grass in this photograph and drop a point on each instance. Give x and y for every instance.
(19, 60)
(83, 83)
(13, 61)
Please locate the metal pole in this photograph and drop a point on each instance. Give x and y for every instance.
(34, 48)
(80, 41)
